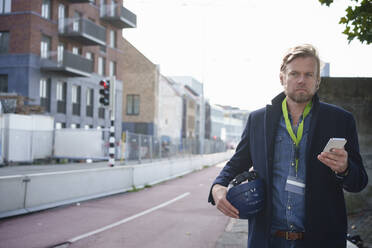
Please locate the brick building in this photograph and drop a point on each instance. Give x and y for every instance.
(141, 86)
(57, 51)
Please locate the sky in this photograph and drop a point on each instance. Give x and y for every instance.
(235, 47)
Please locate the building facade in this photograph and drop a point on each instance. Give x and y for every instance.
(56, 52)
(140, 86)
(170, 109)
(194, 109)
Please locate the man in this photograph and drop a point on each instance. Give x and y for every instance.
(283, 142)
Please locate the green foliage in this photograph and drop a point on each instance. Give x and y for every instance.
(357, 21)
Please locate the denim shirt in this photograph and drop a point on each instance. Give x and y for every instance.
(288, 207)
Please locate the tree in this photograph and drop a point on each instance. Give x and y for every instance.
(358, 20)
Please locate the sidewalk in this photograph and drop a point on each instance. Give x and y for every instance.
(236, 232)
(235, 235)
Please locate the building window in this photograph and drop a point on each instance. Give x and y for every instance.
(61, 17)
(5, 6)
(101, 112)
(101, 66)
(45, 47)
(60, 50)
(133, 104)
(46, 9)
(45, 93)
(76, 22)
(60, 125)
(61, 97)
(4, 83)
(112, 68)
(90, 56)
(113, 38)
(76, 50)
(89, 107)
(4, 42)
(76, 99)
(74, 126)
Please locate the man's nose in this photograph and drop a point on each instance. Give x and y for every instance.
(301, 78)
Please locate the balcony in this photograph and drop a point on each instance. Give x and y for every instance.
(118, 16)
(67, 63)
(83, 31)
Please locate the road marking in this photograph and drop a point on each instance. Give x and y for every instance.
(128, 219)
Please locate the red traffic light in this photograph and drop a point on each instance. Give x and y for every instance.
(104, 92)
(104, 83)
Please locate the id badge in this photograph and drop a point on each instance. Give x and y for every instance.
(295, 185)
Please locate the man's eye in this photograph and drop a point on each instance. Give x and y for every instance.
(309, 74)
(293, 73)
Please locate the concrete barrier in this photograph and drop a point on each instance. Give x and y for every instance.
(12, 195)
(28, 193)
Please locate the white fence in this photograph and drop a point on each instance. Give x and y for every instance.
(33, 192)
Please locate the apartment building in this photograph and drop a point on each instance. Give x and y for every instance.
(56, 52)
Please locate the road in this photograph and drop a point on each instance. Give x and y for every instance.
(171, 214)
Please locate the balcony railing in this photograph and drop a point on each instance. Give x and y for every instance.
(118, 16)
(82, 30)
(67, 63)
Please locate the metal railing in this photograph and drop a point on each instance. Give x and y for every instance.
(138, 147)
(67, 62)
(82, 27)
(118, 15)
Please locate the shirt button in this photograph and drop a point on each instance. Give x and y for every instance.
(293, 164)
(291, 226)
(289, 207)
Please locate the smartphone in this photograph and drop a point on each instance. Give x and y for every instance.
(334, 143)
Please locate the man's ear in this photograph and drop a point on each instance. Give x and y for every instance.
(281, 76)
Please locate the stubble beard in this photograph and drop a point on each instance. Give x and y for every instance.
(301, 97)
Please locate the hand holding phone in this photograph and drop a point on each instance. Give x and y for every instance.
(338, 143)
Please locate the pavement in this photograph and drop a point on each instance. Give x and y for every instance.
(236, 231)
(235, 235)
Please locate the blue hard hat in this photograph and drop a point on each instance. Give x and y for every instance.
(247, 197)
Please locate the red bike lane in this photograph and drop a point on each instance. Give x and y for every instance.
(171, 214)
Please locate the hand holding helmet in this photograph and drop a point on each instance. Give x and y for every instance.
(219, 195)
(247, 197)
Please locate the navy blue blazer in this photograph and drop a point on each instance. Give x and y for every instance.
(325, 217)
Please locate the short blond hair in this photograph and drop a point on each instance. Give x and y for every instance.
(305, 50)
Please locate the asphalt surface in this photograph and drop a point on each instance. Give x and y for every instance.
(171, 214)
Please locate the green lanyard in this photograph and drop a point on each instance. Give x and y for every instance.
(296, 139)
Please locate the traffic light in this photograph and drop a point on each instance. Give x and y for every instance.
(104, 92)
